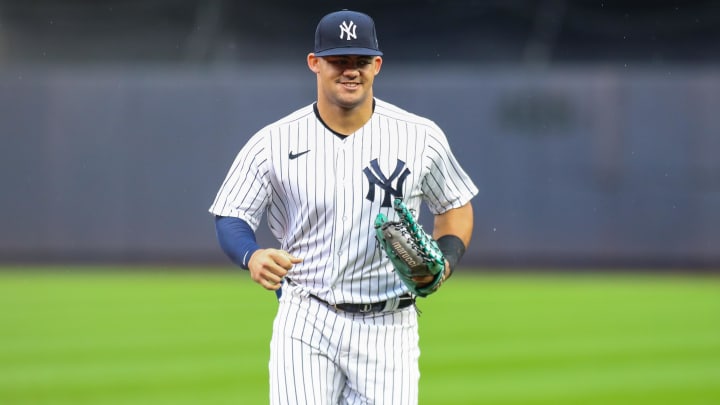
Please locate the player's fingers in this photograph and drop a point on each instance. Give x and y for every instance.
(266, 278)
(448, 271)
(270, 266)
(271, 260)
(272, 282)
(293, 259)
(275, 275)
(285, 259)
(275, 271)
(423, 280)
(269, 285)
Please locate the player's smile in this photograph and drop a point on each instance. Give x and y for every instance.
(345, 81)
(350, 85)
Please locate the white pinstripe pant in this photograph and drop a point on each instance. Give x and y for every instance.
(320, 356)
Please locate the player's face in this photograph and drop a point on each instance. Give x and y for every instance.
(345, 80)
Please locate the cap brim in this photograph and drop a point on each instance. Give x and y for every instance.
(349, 51)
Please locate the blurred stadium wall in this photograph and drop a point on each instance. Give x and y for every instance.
(591, 129)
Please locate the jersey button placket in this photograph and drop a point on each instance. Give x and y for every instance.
(340, 190)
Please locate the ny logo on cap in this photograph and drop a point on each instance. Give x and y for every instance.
(348, 30)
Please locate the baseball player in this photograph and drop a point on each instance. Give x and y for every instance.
(346, 329)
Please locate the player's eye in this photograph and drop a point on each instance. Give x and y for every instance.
(346, 63)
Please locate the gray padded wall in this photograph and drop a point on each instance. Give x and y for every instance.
(574, 165)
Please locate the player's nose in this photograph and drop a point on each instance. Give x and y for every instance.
(351, 72)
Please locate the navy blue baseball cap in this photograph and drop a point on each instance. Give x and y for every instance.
(346, 32)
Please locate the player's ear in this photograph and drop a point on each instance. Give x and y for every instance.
(378, 64)
(313, 62)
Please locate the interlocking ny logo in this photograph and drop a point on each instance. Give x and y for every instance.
(348, 30)
(376, 177)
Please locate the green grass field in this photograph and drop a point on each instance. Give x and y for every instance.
(158, 336)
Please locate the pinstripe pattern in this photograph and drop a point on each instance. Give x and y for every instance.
(320, 356)
(316, 204)
(320, 195)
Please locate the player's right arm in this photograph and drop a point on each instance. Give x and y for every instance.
(267, 266)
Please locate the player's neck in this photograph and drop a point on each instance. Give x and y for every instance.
(345, 120)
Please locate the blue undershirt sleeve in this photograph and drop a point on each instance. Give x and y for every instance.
(237, 239)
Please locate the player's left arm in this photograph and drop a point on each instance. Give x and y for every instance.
(456, 222)
(452, 230)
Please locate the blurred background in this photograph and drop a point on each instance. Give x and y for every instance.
(592, 128)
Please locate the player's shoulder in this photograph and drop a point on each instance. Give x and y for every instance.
(393, 112)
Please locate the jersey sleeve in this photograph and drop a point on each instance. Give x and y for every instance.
(447, 185)
(245, 192)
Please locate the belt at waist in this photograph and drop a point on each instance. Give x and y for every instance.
(400, 302)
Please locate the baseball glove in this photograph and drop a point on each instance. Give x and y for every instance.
(412, 252)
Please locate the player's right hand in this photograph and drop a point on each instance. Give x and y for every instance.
(269, 266)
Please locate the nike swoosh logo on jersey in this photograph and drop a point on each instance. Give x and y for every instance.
(297, 155)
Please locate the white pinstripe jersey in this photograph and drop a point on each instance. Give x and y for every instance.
(321, 194)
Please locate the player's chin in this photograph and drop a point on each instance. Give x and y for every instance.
(350, 100)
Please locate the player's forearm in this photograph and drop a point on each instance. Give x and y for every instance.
(237, 239)
(457, 222)
(452, 230)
